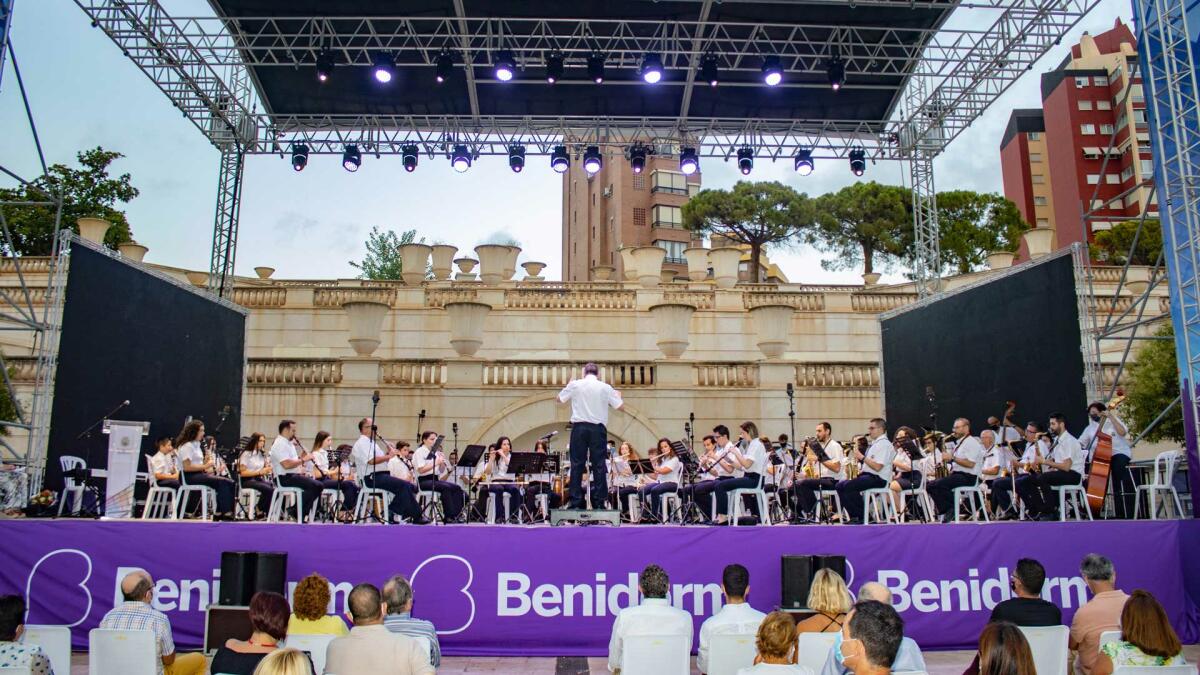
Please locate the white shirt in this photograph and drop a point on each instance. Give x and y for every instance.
(757, 454)
(321, 461)
(1068, 447)
(835, 452)
(727, 452)
(740, 619)
(676, 468)
(655, 616)
(971, 450)
(163, 463)
(1033, 451)
(590, 399)
(1120, 444)
(617, 466)
(775, 669)
(991, 460)
(501, 471)
(782, 476)
(252, 460)
(283, 449)
(399, 469)
(422, 458)
(190, 452)
(364, 451)
(883, 452)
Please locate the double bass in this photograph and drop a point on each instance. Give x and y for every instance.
(1097, 482)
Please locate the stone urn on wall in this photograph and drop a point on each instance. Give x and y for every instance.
(628, 268)
(413, 260)
(871, 278)
(773, 325)
(466, 269)
(725, 262)
(366, 324)
(197, 278)
(998, 260)
(673, 322)
(603, 272)
(93, 229)
(697, 262)
(1039, 241)
(264, 272)
(443, 258)
(492, 259)
(466, 326)
(510, 262)
(533, 270)
(647, 265)
(133, 251)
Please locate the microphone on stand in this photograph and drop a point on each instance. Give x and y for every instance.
(790, 390)
(548, 436)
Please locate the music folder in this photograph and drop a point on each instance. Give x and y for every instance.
(641, 466)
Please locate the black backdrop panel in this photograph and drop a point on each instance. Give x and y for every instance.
(1013, 338)
(127, 334)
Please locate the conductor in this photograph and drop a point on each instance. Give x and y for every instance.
(590, 399)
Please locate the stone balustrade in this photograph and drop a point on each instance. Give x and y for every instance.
(29, 265)
(725, 374)
(551, 298)
(804, 302)
(557, 374)
(838, 375)
(880, 302)
(336, 297)
(261, 297)
(413, 373)
(274, 372)
(438, 297)
(698, 299)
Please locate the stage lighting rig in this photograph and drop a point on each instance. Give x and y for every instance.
(858, 162)
(324, 65)
(516, 158)
(554, 67)
(593, 161)
(804, 162)
(384, 68)
(445, 66)
(637, 158)
(560, 161)
(708, 70)
(299, 156)
(595, 67)
(835, 69)
(351, 158)
(504, 66)
(409, 155)
(772, 70)
(652, 69)
(745, 160)
(460, 159)
(689, 161)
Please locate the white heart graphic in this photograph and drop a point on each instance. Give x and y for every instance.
(465, 590)
(82, 584)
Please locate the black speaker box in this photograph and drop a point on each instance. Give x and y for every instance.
(797, 575)
(244, 573)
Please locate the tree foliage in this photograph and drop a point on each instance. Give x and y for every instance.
(1153, 385)
(88, 191)
(865, 224)
(382, 260)
(1112, 245)
(972, 225)
(752, 213)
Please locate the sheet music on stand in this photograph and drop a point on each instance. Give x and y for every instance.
(641, 466)
(686, 457)
(818, 450)
(124, 447)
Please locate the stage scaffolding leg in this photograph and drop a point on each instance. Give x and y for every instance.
(925, 221)
(1167, 60)
(225, 224)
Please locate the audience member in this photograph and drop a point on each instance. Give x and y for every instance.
(398, 597)
(736, 617)
(135, 613)
(654, 616)
(1101, 613)
(776, 646)
(370, 648)
(830, 599)
(908, 658)
(14, 653)
(1147, 638)
(1003, 650)
(310, 602)
(871, 638)
(286, 661)
(1026, 607)
(268, 621)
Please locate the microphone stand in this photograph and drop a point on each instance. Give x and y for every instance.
(792, 413)
(374, 436)
(88, 482)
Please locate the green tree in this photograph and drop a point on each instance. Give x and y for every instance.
(8, 406)
(1153, 385)
(382, 260)
(88, 191)
(972, 225)
(1112, 245)
(863, 224)
(752, 213)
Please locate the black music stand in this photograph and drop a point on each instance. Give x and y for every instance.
(468, 461)
(915, 454)
(691, 470)
(523, 465)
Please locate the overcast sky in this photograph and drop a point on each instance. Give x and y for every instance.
(84, 93)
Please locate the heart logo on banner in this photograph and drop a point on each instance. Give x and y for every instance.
(444, 576)
(49, 596)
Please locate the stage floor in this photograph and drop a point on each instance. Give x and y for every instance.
(552, 591)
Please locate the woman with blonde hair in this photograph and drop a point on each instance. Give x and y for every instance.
(776, 646)
(309, 604)
(289, 661)
(830, 599)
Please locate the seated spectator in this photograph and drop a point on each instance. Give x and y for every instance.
(830, 599)
(370, 648)
(871, 638)
(654, 616)
(1101, 613)
(1003, 650)
(1147, 638)
(268, 620)
(1026, 607)
(310, 601)
(135, 613)
(14, 653)
(398, 597)
(285, 661)
(736, 617)
(776, 646)
(908, 657)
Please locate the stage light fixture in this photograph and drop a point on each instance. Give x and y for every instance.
(835, 68)
(384, 68)
(593, 161)
(772, 70)
(516, 158)
(637, 158)
(324, 65)
(858, 162)
(299, 156)
(745, 159)
(445, 66)
(460, 159)
(554, 67)
(351, 158)
(708, 70)
(409, 155)
(689, 161)
(504, 66)
(560, 161)
(652, 69)
(595, 68)
(804, 162)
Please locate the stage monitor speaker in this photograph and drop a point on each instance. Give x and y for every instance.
(225, 623)
(797, 575)
(244, 573)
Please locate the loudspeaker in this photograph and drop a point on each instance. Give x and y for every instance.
(797, 575)
(244, 573)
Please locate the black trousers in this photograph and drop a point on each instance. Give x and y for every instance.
(404, 494)
(1038, 492)
(225, 488)
(623, 494)
(264, 490)
(702, 493)
(651, 496)
(349, 491)
(748, 481)
(311, 486)
(499, 489)
(540, 488)
(1124, 489)
(1002, 491)
(589, 444)
(453, 497)
(941, 491)
(806, 493)
(850, 493)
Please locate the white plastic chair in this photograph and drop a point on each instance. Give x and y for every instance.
(161, 502)
(70, 487)
(1109, 636)
(1073, 497)
(368, 495)
(655, 655)
(832, 495)
(1049, 647)
(730, 652)
(430, 502)
(736, 504)
(669, 504)
(55, 641)
(129, 652)
(877, 502)
(208, 497)
(426, 648)
(491, 507)
(315, 645)
(813, 648)
(285, 497)
(923, 501)
(972, 494)
(1162, 482)
(1185, 669)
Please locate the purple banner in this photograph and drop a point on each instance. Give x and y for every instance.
(553, 591)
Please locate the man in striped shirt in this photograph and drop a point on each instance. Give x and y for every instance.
(398, 599)
(136, 614)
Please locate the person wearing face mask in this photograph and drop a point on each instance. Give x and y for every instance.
(871, 638)
(908, 655)
(1102, 419)
(1063, 466)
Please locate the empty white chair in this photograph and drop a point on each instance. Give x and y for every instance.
(129, 652)
(1049, 647)
(670, 507)
(160, 501)
(71, 488)
(729, 653)
(655, 655)
(1161, 483)
(430, 502)
(55, 641)
(491, 507)
(813, 648)
(315, 645)
(1185, 669)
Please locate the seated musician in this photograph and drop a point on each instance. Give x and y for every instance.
(1022, 472)
(432, 472)
(331, 477)
(290, 462)
(668, 471)
(1062, 465)
(198, 470)
(818, 475)
(994, 456)
(371, 455)
(542, 483)
(623, 483)
(905, 476)
(493, 471)
(164, 464)
(254, 467)
(781, 478)
(713, 469)
(876, 469)
(966, 461)
(1102, 418)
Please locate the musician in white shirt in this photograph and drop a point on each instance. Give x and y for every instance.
(624, 483)
(289, 461)
(590, 400)
(753, 464)
(830, 472)
(782, 477)
(164, 465)
(905, 476)
(543, 483)
(498, 480)
(966, 461)
(1063, 466)
(337, 477)
(654, 616)
(1036, 446)
(373, 455)
(715, 466)
(668, 471)
(196, 468)
(736, 616)
(432, 469)
(1102, 418)
(401, 466)
(876, 469)
(254, 468)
